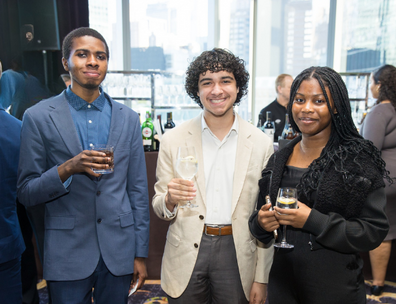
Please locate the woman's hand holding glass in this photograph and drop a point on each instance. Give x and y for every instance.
(267, 219)
(293, 217)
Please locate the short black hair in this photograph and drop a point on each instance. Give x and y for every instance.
(216, 60)
(386, 77)
(80, 32)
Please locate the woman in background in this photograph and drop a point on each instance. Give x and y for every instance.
(379, 126)
(341, 198)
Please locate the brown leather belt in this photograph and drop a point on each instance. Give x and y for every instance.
(214, 230)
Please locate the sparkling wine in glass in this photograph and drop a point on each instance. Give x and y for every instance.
(187, 167)
(287, 199)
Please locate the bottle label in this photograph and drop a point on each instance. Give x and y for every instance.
(270, 133)
(146, 142)
(147, 132)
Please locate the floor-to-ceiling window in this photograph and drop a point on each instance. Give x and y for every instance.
(290, 35)
(272, 36)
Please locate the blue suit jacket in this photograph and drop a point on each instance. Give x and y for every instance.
(106, 216)
(11, 240)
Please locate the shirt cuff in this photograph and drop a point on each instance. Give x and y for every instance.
(67, 182)
(169, 214)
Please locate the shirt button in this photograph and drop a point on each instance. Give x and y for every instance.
(201, 217)
(98, 193)
(196, 245)
(91, 145)
(99, 221)
(89, 106)
(90, 121)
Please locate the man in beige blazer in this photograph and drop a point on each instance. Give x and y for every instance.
(210, 255)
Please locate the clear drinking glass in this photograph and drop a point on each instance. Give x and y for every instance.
(287, 199)
(109, 150)
(187, 167)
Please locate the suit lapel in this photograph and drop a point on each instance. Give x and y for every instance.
(116, 125)
(243, 154)
(194, 138)
(63, 121)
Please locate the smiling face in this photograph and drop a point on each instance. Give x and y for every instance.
(217, 92)
(310, 110)
(87, 64)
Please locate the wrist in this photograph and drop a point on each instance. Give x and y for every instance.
(170, 206)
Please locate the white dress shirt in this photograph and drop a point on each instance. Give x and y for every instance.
(219, 164)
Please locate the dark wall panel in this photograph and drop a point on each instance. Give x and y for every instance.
(70, 14)
(39, 29)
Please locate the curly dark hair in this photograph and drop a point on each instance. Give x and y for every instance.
(344, 138)
(386, 77)
(80, 32)
(216, 60)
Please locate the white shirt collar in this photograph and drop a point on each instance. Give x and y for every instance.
(234, 127)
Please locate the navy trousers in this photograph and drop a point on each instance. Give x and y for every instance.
(107, 288)
(10, 282)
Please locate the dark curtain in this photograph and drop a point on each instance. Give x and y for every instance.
(9, 32)
(71, 14)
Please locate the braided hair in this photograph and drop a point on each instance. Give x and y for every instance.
(386, 77)
(344, 139)
(216, 60)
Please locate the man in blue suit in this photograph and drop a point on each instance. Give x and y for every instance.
(96, 226)
(11, 240)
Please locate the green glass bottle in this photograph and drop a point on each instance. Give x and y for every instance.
(148, 133)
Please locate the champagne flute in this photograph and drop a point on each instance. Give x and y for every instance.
(187, 167)
(287, 199)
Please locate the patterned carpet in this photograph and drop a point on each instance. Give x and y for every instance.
(151, 293)
(388, 296)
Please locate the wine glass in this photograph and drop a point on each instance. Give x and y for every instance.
(187, 167)
(287, 199)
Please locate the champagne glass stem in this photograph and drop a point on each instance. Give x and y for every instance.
(284, 234)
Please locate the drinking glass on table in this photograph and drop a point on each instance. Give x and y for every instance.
(187, 167)
(287, 199)
(109, 150)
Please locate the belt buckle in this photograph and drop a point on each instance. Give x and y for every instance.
(213, 226)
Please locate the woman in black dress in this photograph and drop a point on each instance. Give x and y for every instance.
(341, 198)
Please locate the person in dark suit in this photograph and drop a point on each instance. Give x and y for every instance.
(339, 177)
(96, 226)
(279, 105)
(11, 240)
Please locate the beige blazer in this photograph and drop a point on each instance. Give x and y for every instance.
(185, 230)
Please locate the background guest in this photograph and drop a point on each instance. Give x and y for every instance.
(14, 91)
(279, 105)
(379, 126)
(11, 240)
